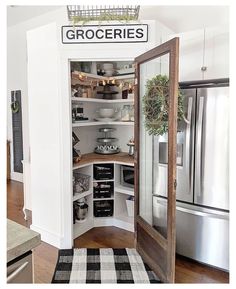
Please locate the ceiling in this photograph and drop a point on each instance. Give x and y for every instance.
(184, 18)
(177, 18)
(17, 14)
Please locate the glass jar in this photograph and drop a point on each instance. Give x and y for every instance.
(131, 113)
(84, 93)
(125, 113)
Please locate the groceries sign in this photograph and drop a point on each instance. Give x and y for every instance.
(104, 33)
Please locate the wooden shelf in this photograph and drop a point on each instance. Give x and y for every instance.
(91, 158)
(101, 77)
(97, 123)
(90, 75)
(126, 76)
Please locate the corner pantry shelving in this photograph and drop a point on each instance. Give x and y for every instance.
(119, 196)
(87, 93)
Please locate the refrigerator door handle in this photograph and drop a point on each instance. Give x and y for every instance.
(199, 147)
(188, 143)
(224, 216)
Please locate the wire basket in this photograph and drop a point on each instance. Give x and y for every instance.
(80, 183)
(102, 13)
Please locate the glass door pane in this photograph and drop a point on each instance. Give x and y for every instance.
(154, 90)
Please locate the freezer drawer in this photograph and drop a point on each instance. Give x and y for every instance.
(20, 269)
(203, 236)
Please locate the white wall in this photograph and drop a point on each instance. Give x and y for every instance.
(17, 66)
(17, 80)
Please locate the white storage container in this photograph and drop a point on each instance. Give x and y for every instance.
(130, 206)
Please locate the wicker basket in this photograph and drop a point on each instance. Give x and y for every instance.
(95, 12)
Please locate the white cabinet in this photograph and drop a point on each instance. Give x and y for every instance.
(217, 53)
(209, 48)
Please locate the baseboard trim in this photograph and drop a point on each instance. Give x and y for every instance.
(17, 177)
(48, 237)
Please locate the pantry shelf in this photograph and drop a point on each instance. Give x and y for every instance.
(97, 100)
(97, 123)
(124, 190)
(103, 199)
(79, 75)
(101, 181)
(82, 195)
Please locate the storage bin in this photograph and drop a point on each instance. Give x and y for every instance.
(130, 206)
(103, 189)
(80, 182)
(103, 171)
(103, 208)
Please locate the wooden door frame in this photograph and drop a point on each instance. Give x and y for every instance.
(171, 48)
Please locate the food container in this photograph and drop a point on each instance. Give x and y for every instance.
(80, 209)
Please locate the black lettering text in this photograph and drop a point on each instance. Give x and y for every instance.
(108, 33)
(130, 33)
(117, 32)
(79, 33)
(101, 35)
(70, 34)
(139, 33)
(91, 32)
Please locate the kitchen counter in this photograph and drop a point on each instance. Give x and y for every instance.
(20, 240)
(120, 158)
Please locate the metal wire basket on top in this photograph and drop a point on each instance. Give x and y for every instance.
(81, 13)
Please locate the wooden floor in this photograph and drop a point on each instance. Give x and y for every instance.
(45, 255)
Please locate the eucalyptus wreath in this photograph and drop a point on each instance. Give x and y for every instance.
(156, 103)
(15, 106)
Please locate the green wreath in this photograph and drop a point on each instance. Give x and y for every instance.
(155, 105)
(15, 106)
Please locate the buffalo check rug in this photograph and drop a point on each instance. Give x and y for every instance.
(104, 265)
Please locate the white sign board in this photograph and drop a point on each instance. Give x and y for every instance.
(104, 33)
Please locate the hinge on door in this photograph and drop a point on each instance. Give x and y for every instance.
(175, 184)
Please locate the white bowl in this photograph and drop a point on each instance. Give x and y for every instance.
(106, 112)
(109, 72)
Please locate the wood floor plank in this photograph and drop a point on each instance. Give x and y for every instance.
(45, 255)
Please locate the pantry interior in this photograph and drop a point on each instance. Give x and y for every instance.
(102, 107)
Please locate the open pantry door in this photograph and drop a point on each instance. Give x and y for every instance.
(156, 119)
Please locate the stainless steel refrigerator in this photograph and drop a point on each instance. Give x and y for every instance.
(202, 215)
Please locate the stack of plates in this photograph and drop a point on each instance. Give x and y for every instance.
(108, 68)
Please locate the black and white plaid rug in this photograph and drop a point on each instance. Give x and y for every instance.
(105, 265)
